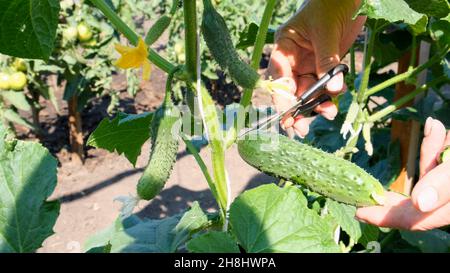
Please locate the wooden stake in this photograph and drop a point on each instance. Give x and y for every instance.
(408, 132)
(75, 131)
(401, 130)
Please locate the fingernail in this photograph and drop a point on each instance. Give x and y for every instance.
(427, 199)
(328, 116)
(428, 126)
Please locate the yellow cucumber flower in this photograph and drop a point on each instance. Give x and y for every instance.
(134, 57)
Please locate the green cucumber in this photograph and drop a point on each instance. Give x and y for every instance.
(157, 29)
(163, 152)
(445, 155)
(321, 172)
(218, 40)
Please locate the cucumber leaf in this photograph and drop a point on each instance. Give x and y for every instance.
(136, 235)
(213, 242)
(192, 220)
(28, 28)
(345, 217)
(273, 219)
(126, 134)
(27, 179)
(394, 11)
(391, 46)
(436, 8)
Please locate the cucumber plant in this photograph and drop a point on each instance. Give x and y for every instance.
(313, 208)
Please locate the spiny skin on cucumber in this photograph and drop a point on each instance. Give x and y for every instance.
(321, 172)
(163, 152)
(219, 42)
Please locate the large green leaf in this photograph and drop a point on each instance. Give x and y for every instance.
(192, 220)
(27, 179)
(436, 8)
(213, 242)
(345, 217)
(145, 236)
(432, 241)
(125, 134)
(391, 46)
(393, 11)
(134, 235)
(274, 219)
(28, 27)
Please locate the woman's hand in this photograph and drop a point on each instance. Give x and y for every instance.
(309, 45)
(429, 204)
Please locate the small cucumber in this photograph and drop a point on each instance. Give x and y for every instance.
(324, 173)
(164, 151)
(157, 29)
(218, 40)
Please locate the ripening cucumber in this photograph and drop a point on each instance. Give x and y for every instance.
(218, 40)
(163, 155)
(321, 172)
(157, 29)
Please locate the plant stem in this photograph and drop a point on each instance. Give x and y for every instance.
(215, 138)
(174, 7)
(168, 94)
(413, 60)
(260, 41)
(361, 97)
(190, 43)
(190, 29)
(259, 47)
(406, 75)
(191, 148)
(393, 107)
(352, 62)
(207, 109)
(388, 239)
(123, 28)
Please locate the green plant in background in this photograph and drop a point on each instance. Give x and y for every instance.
(83, 65)
(13, 82)
(271, 218)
